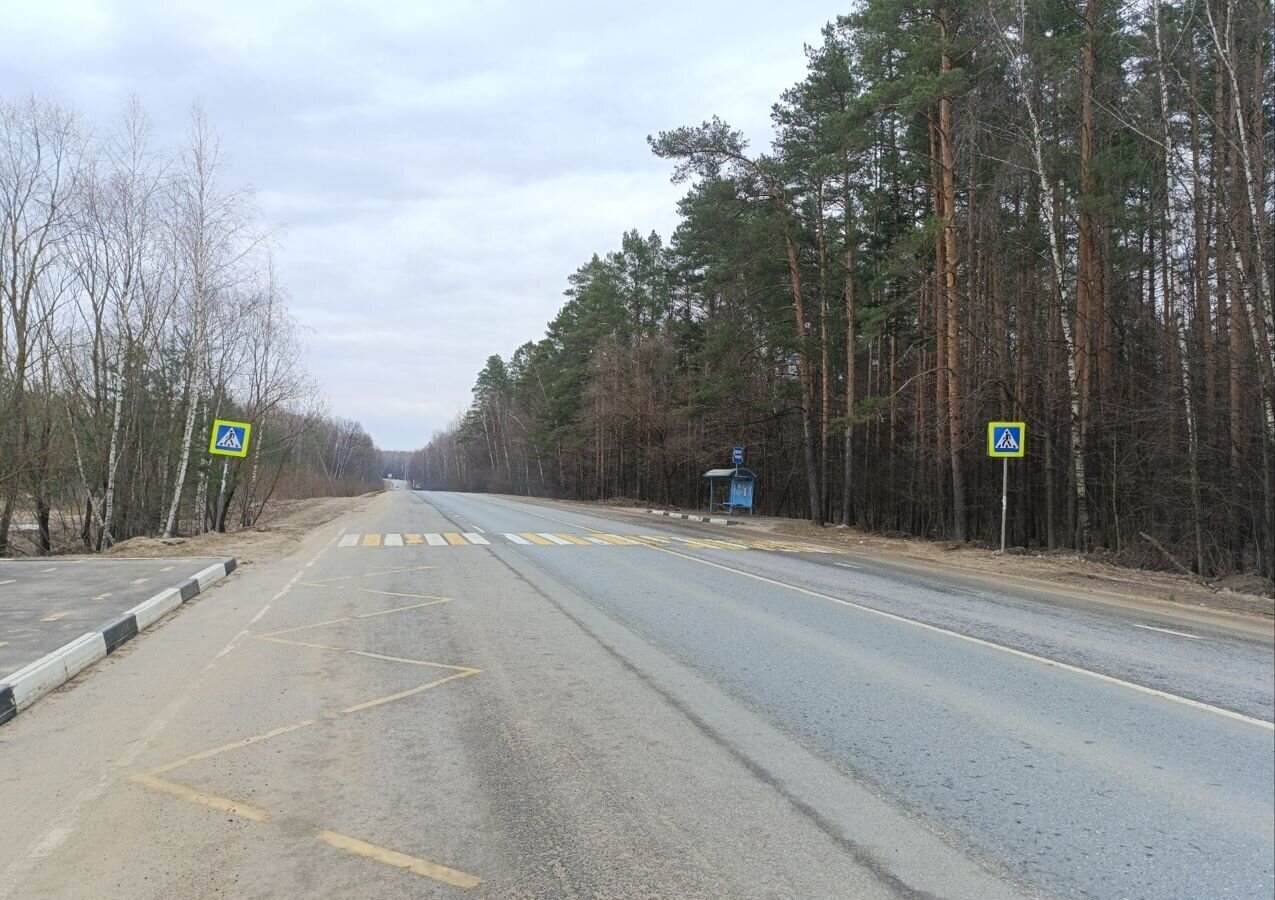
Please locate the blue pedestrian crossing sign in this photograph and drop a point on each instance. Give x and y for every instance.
(229, 438)
(1006, 439)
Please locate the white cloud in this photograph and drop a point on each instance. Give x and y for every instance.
(440, 167)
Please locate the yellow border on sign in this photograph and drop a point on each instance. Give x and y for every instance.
(212, 439)
(1022, 440)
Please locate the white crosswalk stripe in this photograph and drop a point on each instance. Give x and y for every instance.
(544, 539)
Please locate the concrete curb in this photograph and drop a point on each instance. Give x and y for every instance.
(715, 520)
(24, 687)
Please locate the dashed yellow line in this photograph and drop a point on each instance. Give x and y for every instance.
(371, 540)
(233, 745)
(53, 617)
(455, 539)
(414, 864)
(234, 807)
(536, 539)
(413, 539)
(382, 612)
(574, 540)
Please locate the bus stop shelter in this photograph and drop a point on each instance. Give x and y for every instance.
(730, 489)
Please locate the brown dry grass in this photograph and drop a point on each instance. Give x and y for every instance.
(284, 525)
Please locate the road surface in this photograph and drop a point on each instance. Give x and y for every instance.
(456, 695)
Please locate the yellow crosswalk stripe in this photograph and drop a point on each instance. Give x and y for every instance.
(594, 538)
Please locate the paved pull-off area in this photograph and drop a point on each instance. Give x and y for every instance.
(453, 695)
(46, 602)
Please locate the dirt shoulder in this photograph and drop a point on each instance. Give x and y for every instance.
(1062, 572)
(281, 528)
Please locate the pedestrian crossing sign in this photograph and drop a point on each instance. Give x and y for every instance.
(229, 438)
(1006, 439)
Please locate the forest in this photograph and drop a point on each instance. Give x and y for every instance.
(139, 300)
(1054, 211)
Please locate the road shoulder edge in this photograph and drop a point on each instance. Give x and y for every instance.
(22, 689)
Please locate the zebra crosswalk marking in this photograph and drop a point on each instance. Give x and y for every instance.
(592, 539)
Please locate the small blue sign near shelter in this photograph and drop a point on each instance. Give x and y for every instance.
(737, 456)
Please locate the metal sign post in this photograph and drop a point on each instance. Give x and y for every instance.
(228, 439)
(1006, 440)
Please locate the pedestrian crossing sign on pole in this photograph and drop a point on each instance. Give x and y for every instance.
(1006, 439)
(229, 438)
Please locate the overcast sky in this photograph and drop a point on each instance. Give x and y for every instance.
(439, 168)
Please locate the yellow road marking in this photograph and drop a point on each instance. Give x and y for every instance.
(610, 538)
(536, 539)
(324, 582)
(412, 864)
(575, 540)
(455, 539)
(408, 693)
(9, 581)
(53, 617)
(233, 807)
(382, 612)
(723, 545)
(400, 594)
(4, 643)
(102, 596)
(139, 580)
(371, 540)
(233, 745)
(413, 539)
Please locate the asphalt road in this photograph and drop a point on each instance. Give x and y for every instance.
(44, 603)
(454, 695)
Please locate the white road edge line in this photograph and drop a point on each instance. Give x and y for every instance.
(1022, 654)
(1194, 637)
(847, 566)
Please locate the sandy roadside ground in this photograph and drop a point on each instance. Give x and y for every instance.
(285, 524)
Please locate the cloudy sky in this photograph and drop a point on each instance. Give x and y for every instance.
(439, 168)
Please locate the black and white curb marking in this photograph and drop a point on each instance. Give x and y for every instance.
(715, 520)
(27, 685)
